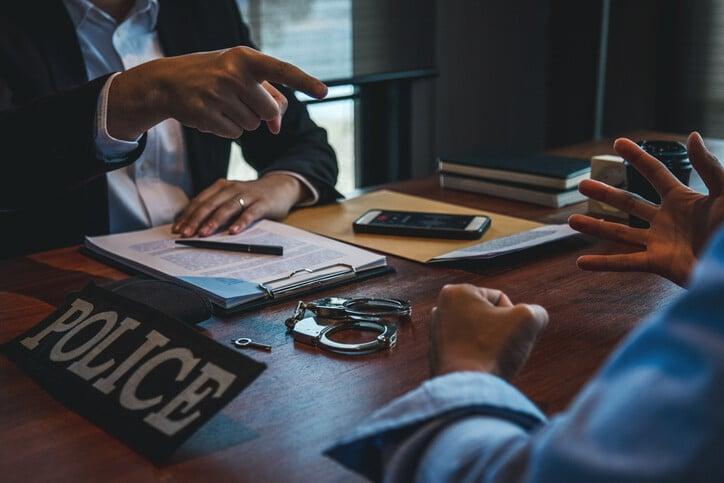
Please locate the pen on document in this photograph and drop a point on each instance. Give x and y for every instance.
(233, 247)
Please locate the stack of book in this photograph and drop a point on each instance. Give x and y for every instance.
(540, 179)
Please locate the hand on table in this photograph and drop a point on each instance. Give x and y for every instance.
(679, 226)
(479, 329)
(271, 196)
(223, 92)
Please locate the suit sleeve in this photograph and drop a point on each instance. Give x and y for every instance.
(301, 146)
(49, 145)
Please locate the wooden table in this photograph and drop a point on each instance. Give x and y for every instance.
(277, 429)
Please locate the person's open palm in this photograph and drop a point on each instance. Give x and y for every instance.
(679, 227)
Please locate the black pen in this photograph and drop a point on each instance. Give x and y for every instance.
(233, 247)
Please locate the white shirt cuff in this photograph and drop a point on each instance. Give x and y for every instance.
(107, 146)
(309, 201)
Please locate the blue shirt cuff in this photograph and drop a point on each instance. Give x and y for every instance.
(453, 395)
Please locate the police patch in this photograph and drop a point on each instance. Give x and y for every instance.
(139, 374)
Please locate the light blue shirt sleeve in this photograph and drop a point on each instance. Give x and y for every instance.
(655, 412)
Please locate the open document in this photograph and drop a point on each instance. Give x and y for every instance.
(231, 279)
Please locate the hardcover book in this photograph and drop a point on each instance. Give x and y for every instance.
(545, 171)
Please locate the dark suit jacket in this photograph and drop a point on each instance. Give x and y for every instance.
(52, 185)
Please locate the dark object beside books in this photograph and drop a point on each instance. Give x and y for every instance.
(674, 156)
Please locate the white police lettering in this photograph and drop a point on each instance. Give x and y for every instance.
(109, 321)
(188, 398)
(83, 368)
(80, 307)
(128, 398)
(87, 337)
(153, 340)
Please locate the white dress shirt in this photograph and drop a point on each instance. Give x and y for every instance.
(157, 186)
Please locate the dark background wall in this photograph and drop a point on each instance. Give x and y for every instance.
(514, 76)
(491, 87)
(571, 42)
(522, 75)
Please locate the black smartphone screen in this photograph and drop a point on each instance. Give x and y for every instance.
(422, 220)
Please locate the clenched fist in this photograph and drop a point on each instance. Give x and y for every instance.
(479, 329)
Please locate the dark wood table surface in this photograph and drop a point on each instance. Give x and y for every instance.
(277, 429)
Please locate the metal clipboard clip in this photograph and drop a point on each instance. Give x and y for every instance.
(347, 272)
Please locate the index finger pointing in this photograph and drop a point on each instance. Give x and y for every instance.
(275, 70)
(651, 168)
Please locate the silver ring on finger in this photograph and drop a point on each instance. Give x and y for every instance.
(241, 201)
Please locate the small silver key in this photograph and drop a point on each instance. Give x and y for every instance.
(244, 342)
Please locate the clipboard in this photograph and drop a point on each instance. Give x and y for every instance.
(235, 282)
(308, 287)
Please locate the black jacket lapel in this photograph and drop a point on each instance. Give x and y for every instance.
(56, 38)
(176, 30)
(55, 35)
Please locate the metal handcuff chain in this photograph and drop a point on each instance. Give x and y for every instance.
(334, 315)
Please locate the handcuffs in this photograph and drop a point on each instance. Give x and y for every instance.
(332, 315)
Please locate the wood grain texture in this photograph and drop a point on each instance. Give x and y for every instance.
(306, 399)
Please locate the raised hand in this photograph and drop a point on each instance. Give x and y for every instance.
(224, 92)
(679, 227)
(479, 329)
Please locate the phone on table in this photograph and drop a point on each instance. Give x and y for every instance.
(413, 223)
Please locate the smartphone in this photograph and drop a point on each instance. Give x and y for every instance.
(412, 223)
